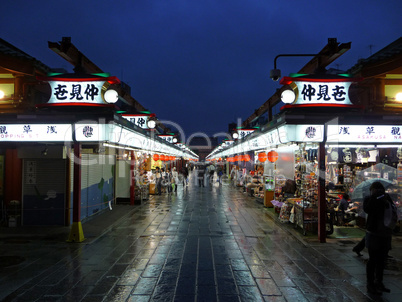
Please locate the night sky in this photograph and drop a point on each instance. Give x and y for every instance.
(200, 64)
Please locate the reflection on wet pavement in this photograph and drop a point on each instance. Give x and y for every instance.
(201, 244)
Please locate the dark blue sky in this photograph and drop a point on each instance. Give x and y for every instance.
(200, 64)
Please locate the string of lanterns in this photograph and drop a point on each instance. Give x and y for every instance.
(271, 156)
(163, 157)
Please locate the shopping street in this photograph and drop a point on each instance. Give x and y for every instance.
(199, 244)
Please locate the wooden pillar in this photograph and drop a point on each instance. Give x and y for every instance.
(132, 179)
(76, 233)
(322, 203)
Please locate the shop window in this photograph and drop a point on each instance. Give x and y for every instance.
(6, 87)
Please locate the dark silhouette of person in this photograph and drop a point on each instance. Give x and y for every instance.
(200, 175)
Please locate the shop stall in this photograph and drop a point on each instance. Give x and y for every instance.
(354, 155)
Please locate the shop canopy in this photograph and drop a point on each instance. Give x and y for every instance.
(113, 134)
(370, 134)
(279, 135)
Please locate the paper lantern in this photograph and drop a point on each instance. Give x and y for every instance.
(272, 156)
(162, 157)
(246, 157)
(156, 157)
(262, 157)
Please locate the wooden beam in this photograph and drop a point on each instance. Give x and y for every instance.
(71, 54)
(81, 63)
(326, 56)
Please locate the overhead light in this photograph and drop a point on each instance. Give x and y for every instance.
(111, 96)
(235, 135)
(288, 96)
(398, 97)
(151, 124)
(44, 152)
(118, 147)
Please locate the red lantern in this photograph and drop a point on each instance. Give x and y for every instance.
(262, 157)
(272, 156)
(246, 157)
(156, 157)
(236, 158)
(162, 157)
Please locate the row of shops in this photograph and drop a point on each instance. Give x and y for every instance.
(73, 152)
(307, 157)
(47, 173)
(351, 157)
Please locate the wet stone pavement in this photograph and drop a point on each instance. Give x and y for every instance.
(199, 244)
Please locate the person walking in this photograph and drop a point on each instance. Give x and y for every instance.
(158, 181)
(168, 179)
(175, 179)
(200, 176)
(211, 172)
(164, 179)
(378, 237)
(220, 174)
(185, 173)
(342, 208)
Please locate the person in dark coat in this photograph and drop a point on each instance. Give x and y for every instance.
(378, 237)
(184, 171)
(200, 175)
(342, 208)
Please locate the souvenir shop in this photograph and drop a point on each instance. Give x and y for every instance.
(355, 155)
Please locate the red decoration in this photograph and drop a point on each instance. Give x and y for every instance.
(246, 157)
(156, 157)
(272, 156)
(162, 157)
(262, 157)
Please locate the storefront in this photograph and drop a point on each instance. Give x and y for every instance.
(76, 156)
(324, 148)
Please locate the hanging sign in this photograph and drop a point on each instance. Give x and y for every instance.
(30, 173)
(319, 92)
(168, 138)
(139, 120)
(244, 132)
(365, 133)
(35, 132)
(301, 133)
(78, 91)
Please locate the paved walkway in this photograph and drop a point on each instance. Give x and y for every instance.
(199, 244)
